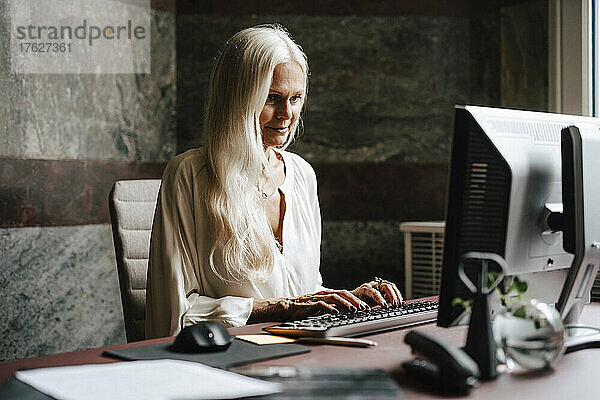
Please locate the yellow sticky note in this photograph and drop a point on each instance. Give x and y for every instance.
(265, 339)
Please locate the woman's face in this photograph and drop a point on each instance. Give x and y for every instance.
(283, 105)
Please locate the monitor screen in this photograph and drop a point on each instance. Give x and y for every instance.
(505, 177)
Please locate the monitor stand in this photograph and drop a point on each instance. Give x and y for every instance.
(581, 236)
(581, 337)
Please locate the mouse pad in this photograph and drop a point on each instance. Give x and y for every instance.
(14, 389)
(240, 352)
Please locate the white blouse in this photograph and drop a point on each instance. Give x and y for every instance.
(182, 289)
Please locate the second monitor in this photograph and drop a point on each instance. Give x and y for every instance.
(505, 180)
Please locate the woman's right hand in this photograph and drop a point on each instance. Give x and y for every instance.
(288, 309)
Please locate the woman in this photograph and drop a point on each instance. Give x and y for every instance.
(237, 228)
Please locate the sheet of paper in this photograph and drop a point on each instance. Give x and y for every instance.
(132, 380)
(266, 339)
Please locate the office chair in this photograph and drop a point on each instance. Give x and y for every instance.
(132, 204)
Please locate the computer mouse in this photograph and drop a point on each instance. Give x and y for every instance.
(203, 337)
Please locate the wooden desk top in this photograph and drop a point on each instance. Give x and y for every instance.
(573, 377)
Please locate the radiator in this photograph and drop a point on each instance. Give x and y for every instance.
(596, 289)
(423, 250)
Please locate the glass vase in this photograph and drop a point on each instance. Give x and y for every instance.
(529, 335)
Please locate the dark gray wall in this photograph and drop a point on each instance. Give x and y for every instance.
(382, 89)
(524, 51)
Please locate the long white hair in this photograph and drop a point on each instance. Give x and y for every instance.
(238, 91)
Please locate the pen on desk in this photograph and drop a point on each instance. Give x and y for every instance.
(340, 341)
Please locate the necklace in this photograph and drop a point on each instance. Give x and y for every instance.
(264, 195)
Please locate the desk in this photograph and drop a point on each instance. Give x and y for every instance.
(576, 376)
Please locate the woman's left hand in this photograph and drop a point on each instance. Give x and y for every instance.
(380, 291)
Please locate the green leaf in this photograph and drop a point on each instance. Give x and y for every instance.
(521, 286)
(520, 312)
(491, 278)
(465, 304)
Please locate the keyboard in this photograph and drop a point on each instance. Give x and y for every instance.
(359, 323)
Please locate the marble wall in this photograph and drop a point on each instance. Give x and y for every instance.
(58, 285)
(85, 116)
(59, 290)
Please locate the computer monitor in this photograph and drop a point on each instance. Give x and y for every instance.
(505, 180)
